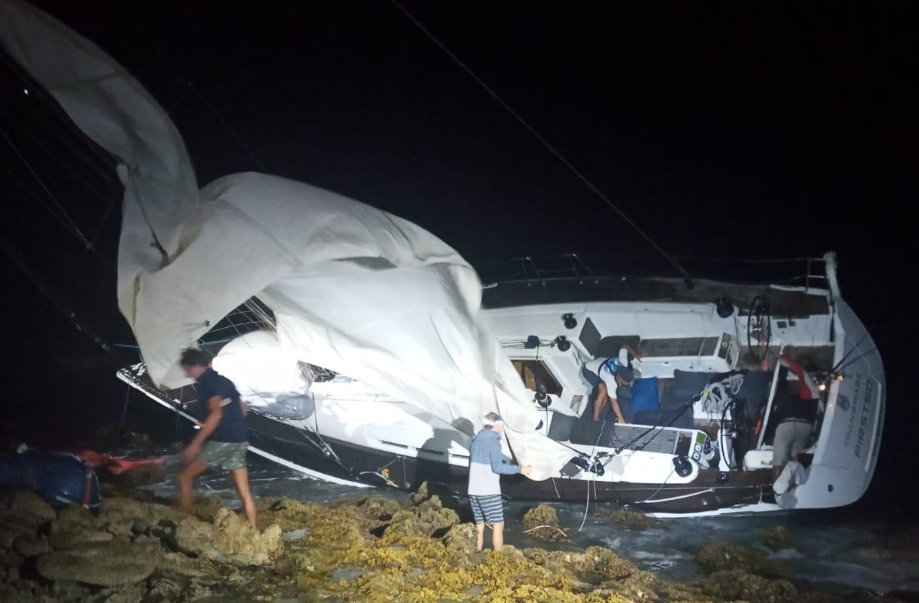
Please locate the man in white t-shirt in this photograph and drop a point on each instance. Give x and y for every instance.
(608, 375)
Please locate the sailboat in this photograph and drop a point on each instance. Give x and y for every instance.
(368, 350)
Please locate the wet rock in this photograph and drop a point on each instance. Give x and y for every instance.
(75, 526)
(722, 556)
(76, 515)
(633, 520)
(378, 508)
(8, 575)
(562, 562)
(207, 507)
(778, 538)
(178, 566)
(29, 509)
(129, 594)
(739, 585)
(10, 559)
(287, 513)
(9, 531)
(606, 564)
(427, 519)
(101, 564)
(116, 524)
(347, 573)
(542, 523)
(31, 545)
(294, 535)
(420, 495)
(461, 539)
(230, 539)
(68, 590)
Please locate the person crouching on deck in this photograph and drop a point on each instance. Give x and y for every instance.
(486, 465)
(222, 439)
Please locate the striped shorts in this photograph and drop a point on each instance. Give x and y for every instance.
(487, 509)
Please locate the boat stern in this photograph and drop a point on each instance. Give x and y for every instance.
(850, 434)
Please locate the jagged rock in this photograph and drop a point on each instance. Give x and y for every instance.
(420, 495)
(128, 594)
(10, 559)
(68, 590)
(778, 537)
(30, 545)
(29, 510)
(607, 564)
(177, 565)
(74, 527)
(230, 539)
(378, 508)
(542, 522)
(76, 515)
(633, 520)
(739, 585)
(207, 507)
(461, 539)
(9, 531)
(117, 524)
(8, 575)
(427, 519)
(100, 564)
(723, 556)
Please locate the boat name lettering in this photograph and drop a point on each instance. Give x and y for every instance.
(865, 420)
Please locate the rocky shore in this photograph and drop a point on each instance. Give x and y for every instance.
(373, 549)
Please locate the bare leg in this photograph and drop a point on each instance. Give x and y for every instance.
(186, 481)
(600, 402)
(497, 536)
(480, 537)
(241, 481)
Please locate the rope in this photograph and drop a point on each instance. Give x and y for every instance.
(672, 259)
(660, 488)
(550, 527)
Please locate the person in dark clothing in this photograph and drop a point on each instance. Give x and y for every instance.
(222, 439)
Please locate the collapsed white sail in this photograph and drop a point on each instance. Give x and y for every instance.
(354, 289)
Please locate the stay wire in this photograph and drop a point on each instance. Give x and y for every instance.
(670, 258)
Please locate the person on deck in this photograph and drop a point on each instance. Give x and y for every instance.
(486, 466)
(611, 379)
(222, 439)
(795, 416)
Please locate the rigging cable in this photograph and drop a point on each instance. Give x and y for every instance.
(672, 259)
(62, 216)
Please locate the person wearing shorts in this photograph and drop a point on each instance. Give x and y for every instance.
(221, 442)
(486, 466)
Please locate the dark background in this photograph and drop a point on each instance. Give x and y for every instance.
(724, 131)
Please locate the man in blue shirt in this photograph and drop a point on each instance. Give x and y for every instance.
(486, 465)
(222, 439)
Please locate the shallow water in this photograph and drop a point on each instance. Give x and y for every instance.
(832, 549)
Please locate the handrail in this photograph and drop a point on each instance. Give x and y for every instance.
(545, 269)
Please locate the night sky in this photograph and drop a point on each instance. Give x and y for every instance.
(727, 131)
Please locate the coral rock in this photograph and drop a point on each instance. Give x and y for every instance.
(542, 522)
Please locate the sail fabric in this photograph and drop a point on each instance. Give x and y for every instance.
(354, 289)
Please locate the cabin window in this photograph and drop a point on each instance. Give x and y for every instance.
(534, 371)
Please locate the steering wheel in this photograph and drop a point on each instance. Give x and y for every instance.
(759, 328)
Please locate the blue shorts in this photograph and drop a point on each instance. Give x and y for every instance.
(487, 509)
